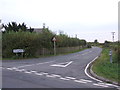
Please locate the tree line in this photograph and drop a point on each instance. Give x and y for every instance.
(20, 37)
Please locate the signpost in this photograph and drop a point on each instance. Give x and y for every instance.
(110, 53)
(18, 51)
(54, 40)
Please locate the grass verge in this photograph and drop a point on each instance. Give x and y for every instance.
(102, 66)
(45, 55)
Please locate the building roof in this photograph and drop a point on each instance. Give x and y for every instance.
(38, 29)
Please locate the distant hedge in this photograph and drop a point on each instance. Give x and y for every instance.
(32, 42)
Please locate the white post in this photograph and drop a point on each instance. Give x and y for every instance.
(54, 48)
(110, 53)
(54, 40)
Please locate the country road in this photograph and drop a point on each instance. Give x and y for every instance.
(63, 71)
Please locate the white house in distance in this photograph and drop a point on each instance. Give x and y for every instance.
(39, 30)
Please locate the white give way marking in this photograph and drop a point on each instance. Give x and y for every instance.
(65, 64)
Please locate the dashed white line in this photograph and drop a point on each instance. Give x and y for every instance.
(21, 70)
(27, 72)
(85, 80)
(9, 68)
(108, 84)
(70, 77)
(33, 71)
(51, 76)
(33, 64)
(79, 81)
(38, 73)
(44, 73)
(64, 78)
(55, 75)
(14, 68)
(100, 85)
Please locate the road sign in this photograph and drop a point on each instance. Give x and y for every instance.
(54, 39)
(18, 50)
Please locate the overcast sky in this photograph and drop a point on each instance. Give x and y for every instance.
(89, 19)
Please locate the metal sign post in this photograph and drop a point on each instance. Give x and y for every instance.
(18, 51)
(54, 40)
(110, 53)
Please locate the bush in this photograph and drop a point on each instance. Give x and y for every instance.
(19, 40)
(35, 42)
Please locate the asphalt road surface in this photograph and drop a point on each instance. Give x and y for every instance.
(63, 71)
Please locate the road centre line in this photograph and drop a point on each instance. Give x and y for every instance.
(9, 68)
(64, 78)
(70, 77)
(79, 81)
(44, 73)
(38, 73)
(108, 84)
(85, 80)
(33, 71)
(34, 64)
(87, 52)
(51, 76)
(55, 75)
(27, 72)
(21, 70)
(100, 85)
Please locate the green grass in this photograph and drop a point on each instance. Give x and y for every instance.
(102, 67)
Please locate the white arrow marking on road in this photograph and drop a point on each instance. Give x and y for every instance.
(65, 64)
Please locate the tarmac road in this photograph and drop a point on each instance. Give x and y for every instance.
(64, 71)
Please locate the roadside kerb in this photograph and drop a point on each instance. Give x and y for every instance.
(89, 69)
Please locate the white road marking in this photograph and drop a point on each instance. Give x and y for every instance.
(9, 68)
(85, 80)
(51, 76)
(17, 69)
(21, 70)
(90, 51)
(70, 77)
(60, 64)
(38, 73)
(87, 68)
(27, 72)
(64, 78)
(79, 81)
(108, 84)
(55, 75)
(86, 52)
(100, 85)
(93, 77)
(33, 71)
(33, 64)
(14, 68)
(44, 73)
